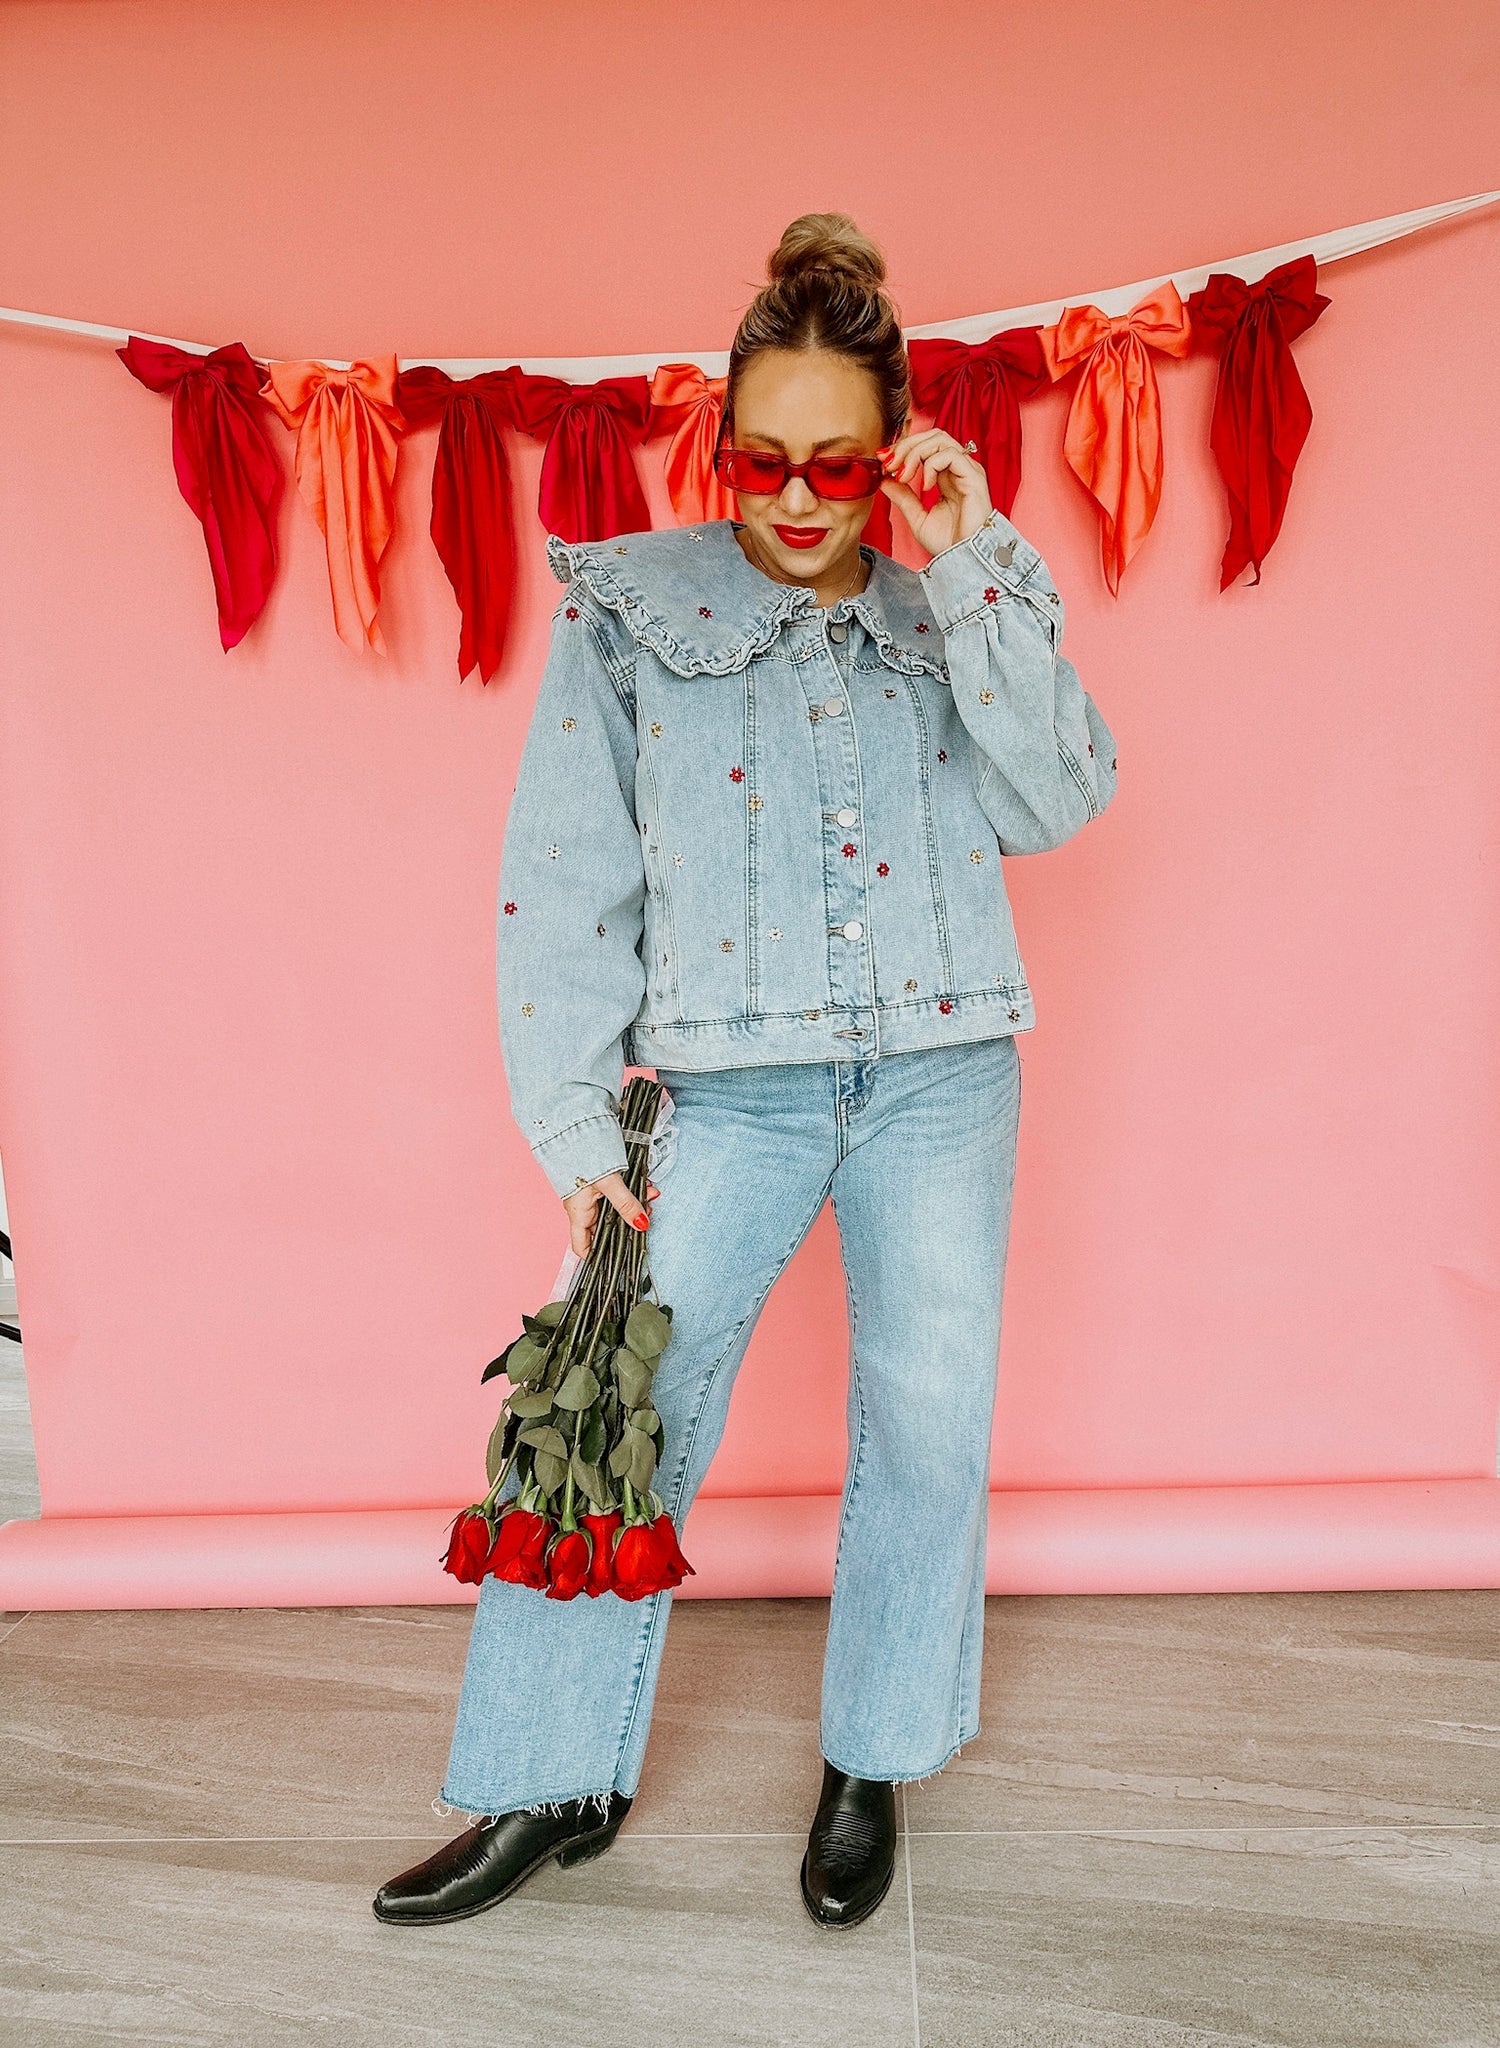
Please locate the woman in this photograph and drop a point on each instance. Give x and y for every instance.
(755, 843)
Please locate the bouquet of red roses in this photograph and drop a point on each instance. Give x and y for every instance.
(578, 1423)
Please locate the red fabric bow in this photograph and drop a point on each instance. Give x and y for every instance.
(226, 468)
(589, 488)
(973, 392)
(1113, 439)
(349, 432)
(1261, 411)
(698, 401)
(471, 523)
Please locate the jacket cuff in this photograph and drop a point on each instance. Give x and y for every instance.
(585, 1151)
(998, 557)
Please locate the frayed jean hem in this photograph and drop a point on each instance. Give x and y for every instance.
(583, 1800)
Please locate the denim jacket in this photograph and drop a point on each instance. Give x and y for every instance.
(750, 829)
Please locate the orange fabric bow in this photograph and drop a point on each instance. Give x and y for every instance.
(695, 491)
(1113, 436)
(349, 430)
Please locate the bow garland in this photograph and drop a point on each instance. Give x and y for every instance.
(350, 424)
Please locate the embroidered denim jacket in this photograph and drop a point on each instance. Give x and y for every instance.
(749, 829)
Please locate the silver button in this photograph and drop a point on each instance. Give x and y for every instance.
(846, 816)
(854, 929)
(838, 631)
(833, 707)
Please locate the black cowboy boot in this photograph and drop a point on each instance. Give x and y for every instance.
(851, 1848)
(488, 1861)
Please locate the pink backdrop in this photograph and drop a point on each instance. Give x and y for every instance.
(270, 1212)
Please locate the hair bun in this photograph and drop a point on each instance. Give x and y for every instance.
(829, 242)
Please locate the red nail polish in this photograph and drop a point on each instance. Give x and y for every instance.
(640, 1222)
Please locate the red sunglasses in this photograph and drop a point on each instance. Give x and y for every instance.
(763, 475)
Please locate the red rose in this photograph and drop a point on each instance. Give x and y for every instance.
(469, 1548)
(520, 1553)
(671, 1551)
(568, 1565)
(601, 1576)
(648, 1559)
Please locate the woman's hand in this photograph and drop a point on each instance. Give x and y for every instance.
(934, 457)
(583, 1208)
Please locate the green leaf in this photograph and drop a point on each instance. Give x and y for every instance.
(595, 1437)
(647, 1331)
(542, 1438)
(494, 1456)
(539, 1403)
(579, 1389)
(642, 1459)
(550, 1471)
(632, 1375)
(645, 1420)
(591, 1479)
(524, 1360)
(550, 1314)
(620, 1457)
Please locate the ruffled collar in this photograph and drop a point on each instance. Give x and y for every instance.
(689, 595)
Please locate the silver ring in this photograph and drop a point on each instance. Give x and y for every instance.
(972, 446)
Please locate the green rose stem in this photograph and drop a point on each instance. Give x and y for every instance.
(607, 1282)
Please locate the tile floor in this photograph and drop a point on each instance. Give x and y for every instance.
(1240, 1819)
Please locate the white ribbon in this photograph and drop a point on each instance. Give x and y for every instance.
(973, 327)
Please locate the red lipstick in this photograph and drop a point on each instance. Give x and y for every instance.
(800, 536)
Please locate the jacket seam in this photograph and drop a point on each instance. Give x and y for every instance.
(1070, 761)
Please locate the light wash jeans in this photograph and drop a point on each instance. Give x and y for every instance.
(918, 1149)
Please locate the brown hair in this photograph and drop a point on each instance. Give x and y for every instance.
(825, 291)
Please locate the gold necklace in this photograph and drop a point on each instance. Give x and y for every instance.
(859, 562)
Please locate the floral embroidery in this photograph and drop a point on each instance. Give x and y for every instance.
(942, 753)
(921, 625)
(528, 1009)
(510, 910)
(677, 860)
(704, 612)
(600, 930)
(890, 693)
(1112, 762)
(736, 774)
(884, 868)
(1091, 746)
(540, 1122)
(910, 987)
(572, 611)
(945, 1006)
(776, 931)
(621, 550)
(986, 696)
(991, 594)
(569, 723)
(656, 728)
(552, 853)
(849, 849)
(815, 711)
(726, 945)
(754, 802)
(976, 855)
(1012, 1014)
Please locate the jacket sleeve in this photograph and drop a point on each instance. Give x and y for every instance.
(1045, 757)
(569, 975)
